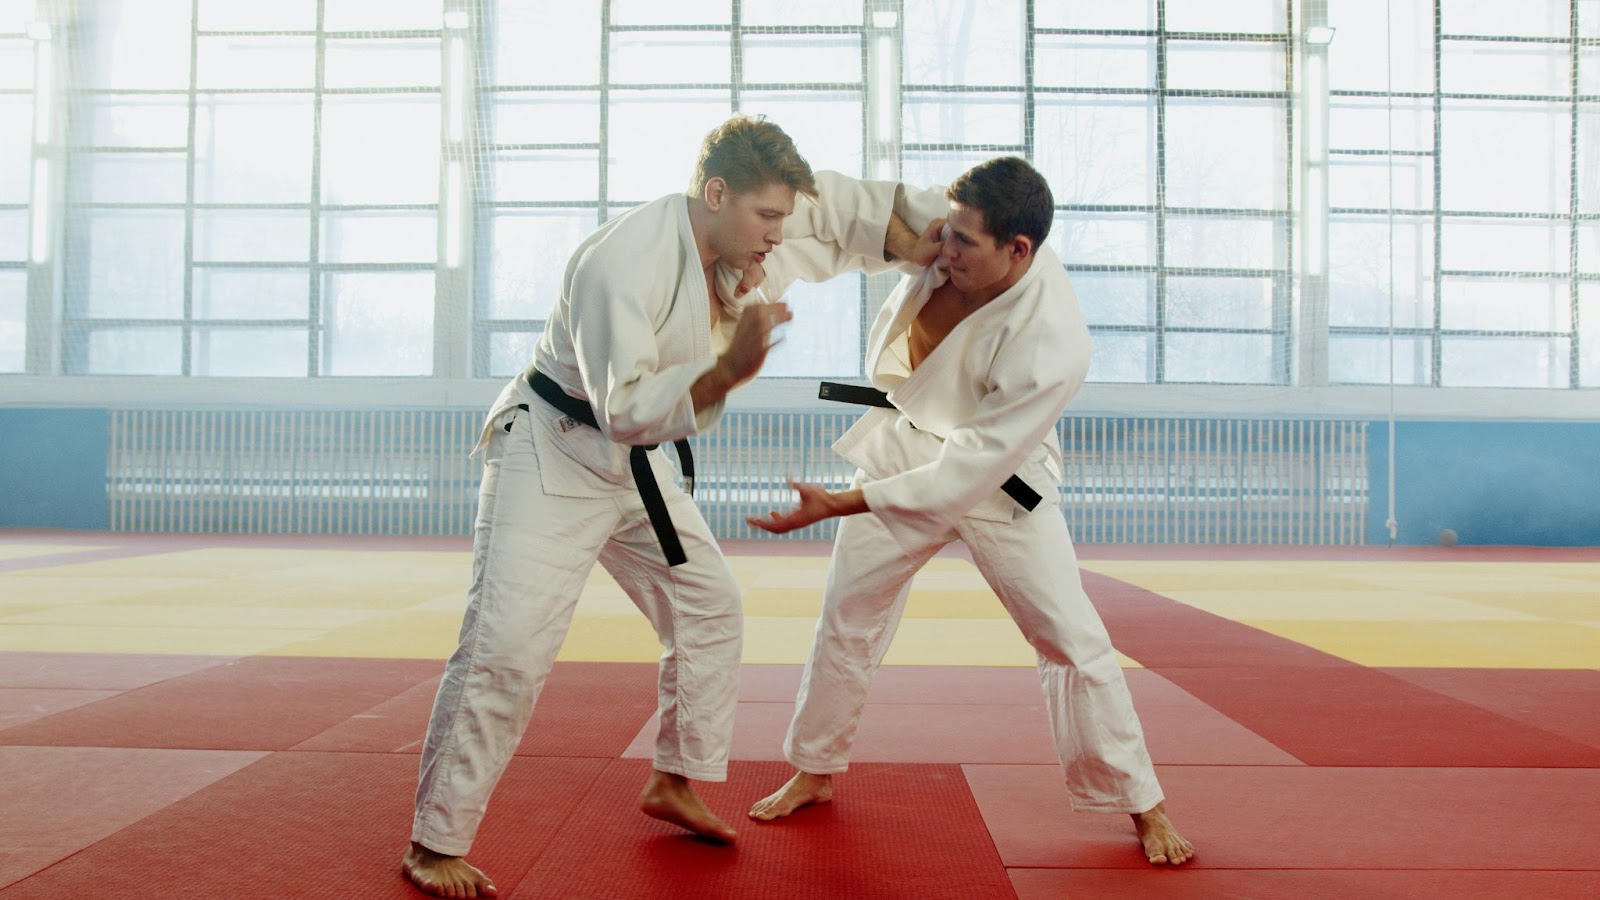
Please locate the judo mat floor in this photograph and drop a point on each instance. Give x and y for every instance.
(232, 716)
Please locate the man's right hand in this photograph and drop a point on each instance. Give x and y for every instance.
(900, 242)
(930, 243)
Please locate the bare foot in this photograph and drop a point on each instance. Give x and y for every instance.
(803, 789)
(1163, 845)
(445, 876)
(669, 798)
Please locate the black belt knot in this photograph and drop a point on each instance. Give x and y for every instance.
(643, 476)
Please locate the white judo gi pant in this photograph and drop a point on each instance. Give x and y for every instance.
(532, 553)
(1030, 564)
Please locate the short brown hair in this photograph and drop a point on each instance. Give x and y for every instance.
(748, 152)
(1012, 196)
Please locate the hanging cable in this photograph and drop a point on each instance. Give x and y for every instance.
(1391, 523)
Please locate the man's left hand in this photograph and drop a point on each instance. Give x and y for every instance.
(816, 503)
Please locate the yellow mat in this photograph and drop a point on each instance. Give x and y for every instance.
(25, 550)
(401, 603)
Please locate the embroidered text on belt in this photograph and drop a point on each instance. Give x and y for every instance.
(643, 476)
(1018, 489)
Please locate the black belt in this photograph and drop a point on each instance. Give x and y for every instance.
(1015, 487)
(638, 460)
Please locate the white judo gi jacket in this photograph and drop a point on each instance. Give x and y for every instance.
(633, 350)
(982, 407)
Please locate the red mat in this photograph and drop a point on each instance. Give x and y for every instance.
(758, 730)
(397, 725)
(1270, 685)
(953, 734)
(1181, 730)
(896, 732)
(585, 709)
(59, 800)
(259, 703)
(1561, 701)
(892, 832)
(1215, 884)
(907, 684)
(1364, 717)
(311, 825)
(1259, 552)
(97, 671)
(19, 705)
(1162, 633)
(1283, 817)
(919, 714)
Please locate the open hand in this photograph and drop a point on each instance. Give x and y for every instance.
(752, 339)
(816, 504)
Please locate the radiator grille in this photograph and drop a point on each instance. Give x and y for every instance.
(404, 472)
(299, 472)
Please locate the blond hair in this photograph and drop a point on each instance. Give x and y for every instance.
(748, 152)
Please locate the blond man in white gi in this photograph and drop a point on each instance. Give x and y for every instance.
(651, 332)
(979, 355)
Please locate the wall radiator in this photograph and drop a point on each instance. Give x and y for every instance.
(407, 472)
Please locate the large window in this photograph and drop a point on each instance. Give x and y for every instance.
(253, 188)
(1164, 131)
(311, 188)
(18, 69)
(1181, 256)
(1463, 185)
(590, 108)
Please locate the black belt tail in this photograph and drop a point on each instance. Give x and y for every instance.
(656, 507)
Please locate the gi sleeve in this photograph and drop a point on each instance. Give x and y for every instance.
(1033, 377)
(842, 231)
(918, 207)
